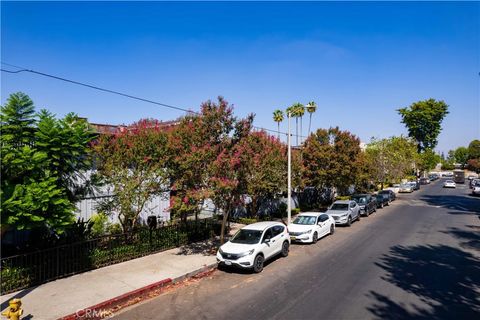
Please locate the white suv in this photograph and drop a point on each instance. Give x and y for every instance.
(252, 245)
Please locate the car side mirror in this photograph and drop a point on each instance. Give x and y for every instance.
(266, 241)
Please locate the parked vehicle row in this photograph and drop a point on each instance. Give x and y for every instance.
(256, 243)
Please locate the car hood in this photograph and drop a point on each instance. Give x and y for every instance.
(336, 212)
(236, 248)
(299, 227)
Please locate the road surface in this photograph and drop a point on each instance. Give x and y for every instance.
(419, 258)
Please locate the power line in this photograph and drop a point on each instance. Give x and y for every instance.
(22, 69)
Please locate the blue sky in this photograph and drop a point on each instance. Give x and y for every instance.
(359, 61)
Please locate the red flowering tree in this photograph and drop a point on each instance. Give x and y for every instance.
(132, 163)
(264, 161)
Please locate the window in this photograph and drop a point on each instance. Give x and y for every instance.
(323, 218)
(267, 235)
(276, 230)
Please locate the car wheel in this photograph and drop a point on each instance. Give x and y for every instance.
(358, 217)
(367, 212)
(381, 205)
(375, 209)
(315, 237)
(285, 248)
(332, 229)
(258, 263)
(349, 221)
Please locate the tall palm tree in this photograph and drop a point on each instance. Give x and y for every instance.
(278, 117)
(300, 113)
(294, 111)
(311, 108)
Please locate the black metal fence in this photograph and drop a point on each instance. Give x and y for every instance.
(26, 270)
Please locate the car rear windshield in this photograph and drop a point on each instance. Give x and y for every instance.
(339, 206)
(305, 220)
(247, 236)
(384, 192)
(360, 200)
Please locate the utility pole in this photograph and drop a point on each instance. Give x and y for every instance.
(289, 188)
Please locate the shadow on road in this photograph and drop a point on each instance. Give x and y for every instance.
(445, 278)
(468, 239)
(459, 204)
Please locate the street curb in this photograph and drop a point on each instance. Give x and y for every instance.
(103, 309)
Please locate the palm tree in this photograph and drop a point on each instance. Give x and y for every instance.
(300, 112)
(295, 110)
(278, 117)
(311, 108)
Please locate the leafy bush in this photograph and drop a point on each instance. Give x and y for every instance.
(343, 198)
(14, 278)
(295, 211)
(114, 228)
(247, 220)
(100, 224)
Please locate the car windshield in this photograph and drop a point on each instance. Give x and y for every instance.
(360, 200)
(305, 220)
(449, 181)
(405, 185)
(247, 236)
(339, 206)
(384, 192)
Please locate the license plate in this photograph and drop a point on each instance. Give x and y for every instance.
(228, 263)
(293, 238)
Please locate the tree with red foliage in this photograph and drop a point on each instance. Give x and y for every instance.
(133, 163)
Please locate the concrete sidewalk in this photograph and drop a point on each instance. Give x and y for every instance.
(66, 296)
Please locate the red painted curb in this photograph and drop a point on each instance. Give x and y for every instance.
(94, 312)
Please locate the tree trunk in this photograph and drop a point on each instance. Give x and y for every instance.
(296, 129)
(309, 124)
(224, 224)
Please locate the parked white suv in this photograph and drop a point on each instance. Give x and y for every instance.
(311, 226)
(252, 245)
(344, 212)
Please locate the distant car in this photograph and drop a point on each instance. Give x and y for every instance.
(382, 200)
(433, 177)
(424, 181)
(447, 174)
(390, 193)
(449, 184)
(406, 188)
(344, 212)
(255, 243)
(367, 203)
(474, 183)
(415, 185)
(395, 188)
(308, 227)
(476, 191)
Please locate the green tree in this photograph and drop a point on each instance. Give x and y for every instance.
(474, 149)
(132, 164)
(423, 120)
(40, 173)
(278, 117)
(329, 159)
(311, 109)
(461, 156)
(428, 159)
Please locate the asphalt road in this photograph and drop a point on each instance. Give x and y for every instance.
(419, 258)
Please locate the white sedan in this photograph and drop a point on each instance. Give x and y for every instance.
(476, 191)
(449, 184)
(255, 243)
(308, 227)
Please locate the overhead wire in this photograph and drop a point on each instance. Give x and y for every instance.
(22, 69)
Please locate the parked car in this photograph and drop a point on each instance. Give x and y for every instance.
(395, 188)
(424, 181)
(382, 200)
(433, 177)
(406, 188)
(255, 243)
(474, 183)
(415, 185)
(390, 193)
(476, 191)
(308, 227)
(367, 203)
(344, 212)
(449, 184)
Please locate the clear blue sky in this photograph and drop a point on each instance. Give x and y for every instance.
(359, 61)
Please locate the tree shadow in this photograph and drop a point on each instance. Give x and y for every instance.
(458, 204)
(206, 248)
(469, 239)
(445, 279)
